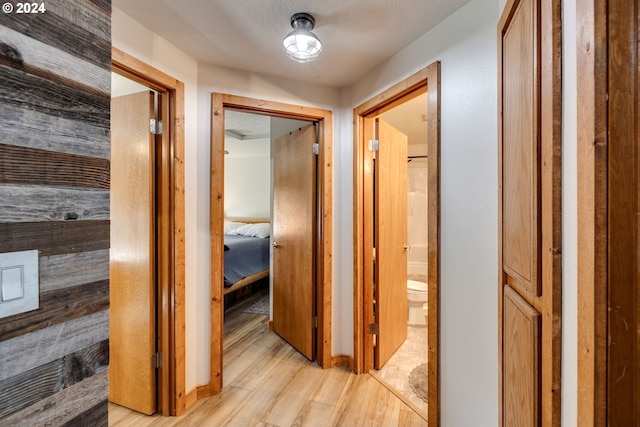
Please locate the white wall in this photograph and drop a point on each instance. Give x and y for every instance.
(247, 187)
(136, 40)
(466, 45)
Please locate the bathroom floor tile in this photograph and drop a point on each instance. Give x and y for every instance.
(412, 353)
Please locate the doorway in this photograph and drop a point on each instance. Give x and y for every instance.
(322, 239)
(270, 225)
(158, 314)
(375, 319)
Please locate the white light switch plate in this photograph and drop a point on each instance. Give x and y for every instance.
(19, 282)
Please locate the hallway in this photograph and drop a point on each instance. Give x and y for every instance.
(267, 382)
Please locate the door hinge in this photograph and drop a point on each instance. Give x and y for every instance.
(374, 329)
(315, 321)
(374, 145)
(316, 148)
(155, 126)
(156, 360)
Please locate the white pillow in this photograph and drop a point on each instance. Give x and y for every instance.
(260, 229)
(230, 227)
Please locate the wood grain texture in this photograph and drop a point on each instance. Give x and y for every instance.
(521, 362)
(52, 97)
(391, 236)
(269, 383)
(42, 167)
(32, 129)
(88, 15)
(67, 270)
(55, 237)
(25, 389)
(104, 5)
(551, 123)
(433, 241)
(324, 242)
(216, 200)
(293, 234)
(57, 307)
(520, 217)
(35, 203)
(592, 212)
(172, 318)
(54, 151)
(91, 417)
(133, 267)
(530, 109)
(623, 298)
(66, 407)
(48, 62)
(56, 31)
(29, 351)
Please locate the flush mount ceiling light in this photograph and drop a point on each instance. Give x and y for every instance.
(301, 44)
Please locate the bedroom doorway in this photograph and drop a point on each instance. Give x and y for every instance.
(319, 301)
(382, 294)
(269, 229)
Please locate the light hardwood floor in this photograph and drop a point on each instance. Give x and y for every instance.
(268, 383)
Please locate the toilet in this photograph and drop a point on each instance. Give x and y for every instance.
(417, 297)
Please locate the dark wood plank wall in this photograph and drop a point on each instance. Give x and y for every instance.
(54, 197)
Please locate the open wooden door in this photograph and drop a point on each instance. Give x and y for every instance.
(530, 276)
(132, 378)
(390, 241)
(293, 239)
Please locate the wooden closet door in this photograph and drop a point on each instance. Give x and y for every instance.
(530, 217)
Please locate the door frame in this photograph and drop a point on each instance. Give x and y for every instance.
(607, 113)
(324, 239)
(170, 246)
(426, 80)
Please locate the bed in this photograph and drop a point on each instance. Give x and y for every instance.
(246, 252)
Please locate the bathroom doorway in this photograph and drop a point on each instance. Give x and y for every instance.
(400, 244)
(396, 273)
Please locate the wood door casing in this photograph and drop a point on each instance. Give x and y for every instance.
(132, 333)
(390, 226)
(293, 231)
(530, 129)
(426, 80)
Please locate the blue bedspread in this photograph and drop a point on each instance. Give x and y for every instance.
(246, 256)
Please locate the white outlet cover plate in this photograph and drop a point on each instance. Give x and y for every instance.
(22, 266)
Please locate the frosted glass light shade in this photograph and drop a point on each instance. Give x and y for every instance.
(301, 44)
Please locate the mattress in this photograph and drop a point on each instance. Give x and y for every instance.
(245, 257)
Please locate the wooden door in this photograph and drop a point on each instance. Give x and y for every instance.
(530, 213)
(293, 239)
(390, 237)
(132, 379)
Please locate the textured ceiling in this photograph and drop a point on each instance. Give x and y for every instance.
(357, 35)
